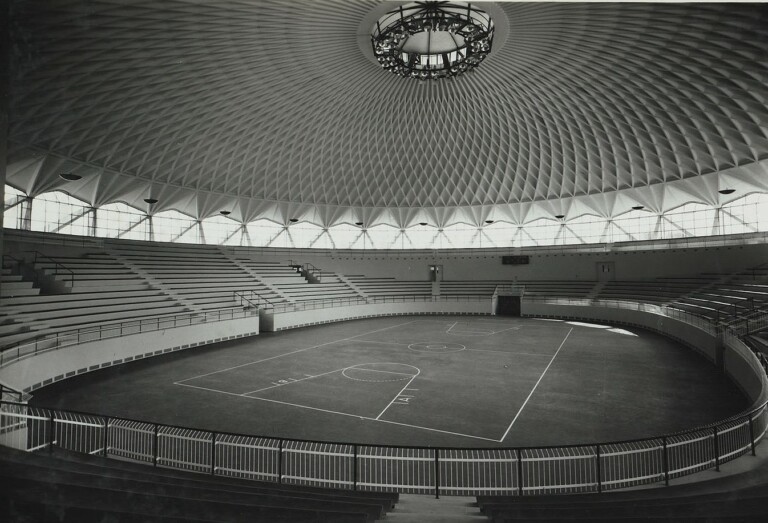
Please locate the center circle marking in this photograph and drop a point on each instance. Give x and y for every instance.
(381, 372)
(436, 347)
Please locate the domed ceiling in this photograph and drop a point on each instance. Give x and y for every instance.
(276, 108)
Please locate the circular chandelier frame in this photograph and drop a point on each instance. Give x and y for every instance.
(467, 30)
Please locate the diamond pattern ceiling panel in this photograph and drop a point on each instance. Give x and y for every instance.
(275, 100)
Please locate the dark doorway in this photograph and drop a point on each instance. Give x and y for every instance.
(508, 306)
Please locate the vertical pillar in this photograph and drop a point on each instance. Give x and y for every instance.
(519, 472)
(665, 459)
(437, 474)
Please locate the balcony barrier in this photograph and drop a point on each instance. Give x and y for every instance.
(518, 471)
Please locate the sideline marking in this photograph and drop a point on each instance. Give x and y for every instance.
(337, 412)
(292, 380)
(292, 352)
(536, 385)
(509, 353)
(385, 342)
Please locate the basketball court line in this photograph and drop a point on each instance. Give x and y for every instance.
(385, 342)
(397, 395)
(536, 385)
(292, 352)
(294, 381)
(339, 413)
(509, 353)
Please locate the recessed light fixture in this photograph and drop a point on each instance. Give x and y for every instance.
(559, 216)
(488, 221)
(225, 213)
(360, 224)
(70, 177)
(150, 200)
(293, 220)
(727, 191)
(422, 223)
(638, 207)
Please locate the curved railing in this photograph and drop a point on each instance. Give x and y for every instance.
(326, 303)
(514, 471)
(591, 467)
(57, 340)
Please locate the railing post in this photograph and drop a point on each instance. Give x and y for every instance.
(437, 474)
(665, 460)
(354, 467)
(717, 449)
(280, 463)
(751, 433)
(51, 432)
(155, 446)
(105, 438)
(519, 472)
(213, 454)
(597, 469)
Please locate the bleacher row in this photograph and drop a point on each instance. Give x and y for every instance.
(131, 281)
(79, 488)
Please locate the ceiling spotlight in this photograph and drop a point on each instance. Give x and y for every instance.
(727, 191)
(422, 223)
(225, 213)
(559, 216)
(638, 207)
(70, 177)
(488, 221)
(150, 200)
(293, 220)
(360, 224)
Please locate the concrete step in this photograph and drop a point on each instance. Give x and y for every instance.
(6, 292)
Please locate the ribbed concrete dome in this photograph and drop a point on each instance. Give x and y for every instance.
(262, 106)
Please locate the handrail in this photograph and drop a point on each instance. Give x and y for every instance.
(261, 302)
(56, 265)
(518, 290)
(6, 390)
(327, 303)
(57, 340)
(688, 448)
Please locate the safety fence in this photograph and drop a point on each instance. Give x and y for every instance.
(58, 340)
(359, 300)
(421, 470)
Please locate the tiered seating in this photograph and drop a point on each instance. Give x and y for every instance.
(740, 497)
(12, 285)
(329, 286)
(197, 274)
(391, 286)
(102, 290)
(544, 288)
(657, 292)
(73, 487)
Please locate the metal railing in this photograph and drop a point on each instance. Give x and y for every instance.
(251, 298)
(54, 341)
(325, 303)
(509, 290)
(56, 266)
(307, 269)
(516, 471)
(670, 312)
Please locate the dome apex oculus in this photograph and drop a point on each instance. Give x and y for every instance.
(432, 40)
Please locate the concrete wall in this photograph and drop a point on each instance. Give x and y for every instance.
(743, 368)
(47, 367)
(289, 320)
(737, 361)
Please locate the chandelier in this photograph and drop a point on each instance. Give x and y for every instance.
(430, 40)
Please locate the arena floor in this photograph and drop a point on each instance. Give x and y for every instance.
(440, 381)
